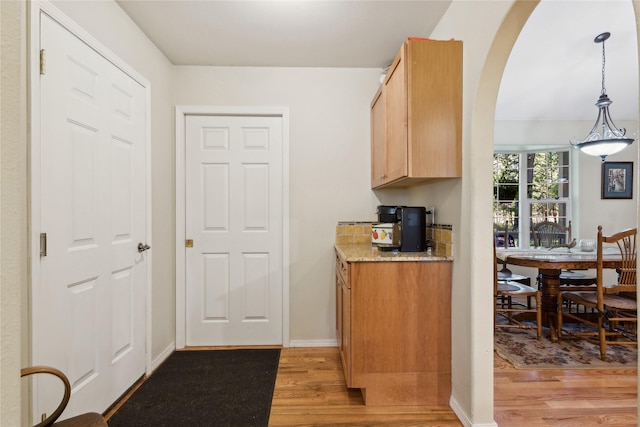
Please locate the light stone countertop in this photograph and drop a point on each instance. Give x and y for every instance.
(365, 252)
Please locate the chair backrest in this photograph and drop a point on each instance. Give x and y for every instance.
(626, 243)
(501, 236)
(65, 397)
(547, 234)
(495, 270)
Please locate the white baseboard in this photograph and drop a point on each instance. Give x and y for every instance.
(464, 418)
(162, 357)
(313, 343)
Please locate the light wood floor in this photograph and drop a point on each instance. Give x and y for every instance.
(310, 391)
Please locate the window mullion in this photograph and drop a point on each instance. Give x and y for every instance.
(525, 220)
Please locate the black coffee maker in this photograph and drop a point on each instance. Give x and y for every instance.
(412, 222)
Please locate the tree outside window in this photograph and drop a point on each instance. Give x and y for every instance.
(530, 187)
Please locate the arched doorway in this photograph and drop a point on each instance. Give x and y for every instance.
(494, 67)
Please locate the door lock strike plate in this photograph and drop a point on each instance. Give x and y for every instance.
(43, 244)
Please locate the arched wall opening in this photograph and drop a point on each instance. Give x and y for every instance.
(482, 126)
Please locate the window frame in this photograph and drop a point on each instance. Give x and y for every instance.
(524, 202)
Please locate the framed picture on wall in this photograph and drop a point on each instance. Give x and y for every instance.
(617, 180)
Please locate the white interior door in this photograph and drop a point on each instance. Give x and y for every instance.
(233, 214)
(89, 298)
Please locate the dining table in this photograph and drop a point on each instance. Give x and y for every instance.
(550, 264)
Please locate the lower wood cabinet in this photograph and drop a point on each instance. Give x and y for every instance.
(394, 330)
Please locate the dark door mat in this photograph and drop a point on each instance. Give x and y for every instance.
(205, 388)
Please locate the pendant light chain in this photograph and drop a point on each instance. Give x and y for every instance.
(604, 91)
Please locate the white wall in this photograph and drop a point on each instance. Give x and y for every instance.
(13, 206)
(329, 165)
(488, 29)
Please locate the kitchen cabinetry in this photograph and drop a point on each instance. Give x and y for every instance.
(416, 116)
(394, 330)
(343, 316)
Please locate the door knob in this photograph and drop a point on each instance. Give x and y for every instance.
(142, 248)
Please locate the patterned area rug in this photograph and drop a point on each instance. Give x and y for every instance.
(524, 351)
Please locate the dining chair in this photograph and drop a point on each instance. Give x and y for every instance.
(547, 234)
(508, 303)
(89, 419)
(615, 319)
(501, 235)
(503, 239)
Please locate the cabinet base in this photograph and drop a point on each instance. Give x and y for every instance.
(407, 389)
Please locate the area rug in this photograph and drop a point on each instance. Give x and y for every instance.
(205, 388)
(524, 351)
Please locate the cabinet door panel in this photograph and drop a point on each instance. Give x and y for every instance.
(401, 317)
(378, 140)
(396, 119)
(338, 310)
(345, 345)
(435, 109)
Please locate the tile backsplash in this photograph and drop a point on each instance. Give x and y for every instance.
(439, 236)
(354, 232)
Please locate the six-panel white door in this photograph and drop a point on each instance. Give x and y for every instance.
(89, 298)
(234, 216)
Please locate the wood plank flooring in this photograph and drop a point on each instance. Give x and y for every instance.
(581, 397)
(310, 391)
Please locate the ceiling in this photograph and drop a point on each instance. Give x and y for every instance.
(553, 73)
(267, 33)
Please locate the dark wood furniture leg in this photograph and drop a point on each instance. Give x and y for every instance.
(550, 287)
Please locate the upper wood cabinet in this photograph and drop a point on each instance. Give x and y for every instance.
(416, 116)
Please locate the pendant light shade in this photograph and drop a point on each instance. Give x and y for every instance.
(604, 138)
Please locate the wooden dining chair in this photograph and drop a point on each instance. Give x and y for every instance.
(89, 419)
(509, 303)
(503, 239)
(547, 234)
(615, 320)
(501, 235)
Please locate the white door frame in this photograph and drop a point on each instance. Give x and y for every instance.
(181, 112)
(37, 7)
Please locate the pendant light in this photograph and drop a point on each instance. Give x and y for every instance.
(605, 138)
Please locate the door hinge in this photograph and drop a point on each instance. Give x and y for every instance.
(188, 243)
(42, 62)
(43, 244)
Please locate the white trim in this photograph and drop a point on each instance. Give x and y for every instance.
(36, 8)
(35, 195)
(181, 112)
(149, 232)
(79, 32)
(313, 343)
(164, 354)
(464, 418)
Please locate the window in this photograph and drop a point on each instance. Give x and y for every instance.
(530, 187)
